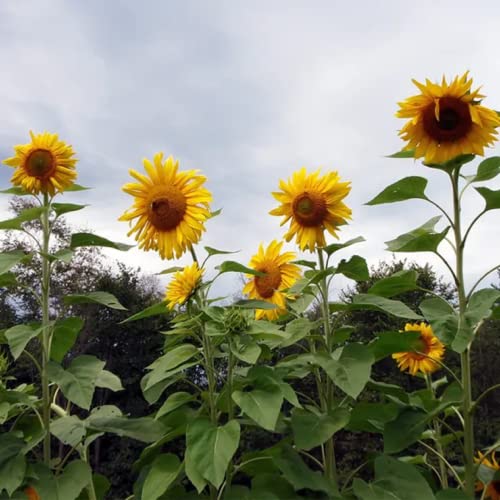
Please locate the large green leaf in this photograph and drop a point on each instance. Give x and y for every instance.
(154, 310)
(245, 348)
(335, 247)
(174, 401)
(9, 259)
(143, 429)
(442, 317)
(487, 169)
(391, 342)
(298, 329)
(161, 475)
(70, 430)
(12, 474)
(92, 240)
(451, 494)
(480, 305)
(18, 337)
(374, 302)
(311, 430)
(399, 282)
(404, 189)
(421, 239)
(372, 417)
(64, 208)
(355, 268)
(78, 381)
(26, 215)
(404, 430)
(103, 298)
(64, 336)
(230, 266)
(8, 280)
(370, 491)
(108, 380)
(211, 448)
(491, 197)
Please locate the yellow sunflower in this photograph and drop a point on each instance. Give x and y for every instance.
(313, 203)
(425, 358)
(171, 207)
(45, 165)
(447, 120)
(280, 274)
(183, 285)
(493, 488)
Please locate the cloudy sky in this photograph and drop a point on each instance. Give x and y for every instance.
(247, 92)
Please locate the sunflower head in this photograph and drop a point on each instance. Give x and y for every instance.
(312, 203)
(493, 488)
(45, 165)
(426, 357)
(171, 207)
(279, 275)
(183, 285)
(31, 493)
(447, 120)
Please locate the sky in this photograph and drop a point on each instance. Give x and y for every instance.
(247, 92)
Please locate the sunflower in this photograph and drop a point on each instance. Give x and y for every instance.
(428, 354)
(171, 207)
(31, 493)
(493, 488)
(183, 285)
(313, 203)
(447, 120)
(45, 165)
(280, 274)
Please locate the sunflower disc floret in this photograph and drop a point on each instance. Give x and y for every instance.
(171, 207)
(183, 285)
(447, 120)
(312, 203)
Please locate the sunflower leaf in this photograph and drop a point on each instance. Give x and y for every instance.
(452, 164)
(63, 208)
(26, 215)
(405, 153)
(16, 191)
(374, 302)
(399, 282)
(92, 240)
(154, 310)
(491, 197)
(77, 187)
(405, 189)
(213, 251)
(254, 304)
(230, 266)
(9, 259)
(103, 298)
(355, 268)
(487, 169)
(335, 247)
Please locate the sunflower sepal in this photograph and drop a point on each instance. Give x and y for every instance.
(451, 165)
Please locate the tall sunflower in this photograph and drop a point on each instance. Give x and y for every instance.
(183, 285)
(493, 488)
(447, 120)
(313, 203)
(280, 275)
(429, 353)
(45, 165)
(171, 207)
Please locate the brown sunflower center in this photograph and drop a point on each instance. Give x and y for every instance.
(309, 209)
(454, 121)
(40, 163)
(167, 210)
(266, 285)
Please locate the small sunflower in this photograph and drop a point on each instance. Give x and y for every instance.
(447, 120)
(493, 488)
(171, 207)
(45, 165)
(280, 274)
(183, 285)
(31, 493)
(430, 351)
(313, 203)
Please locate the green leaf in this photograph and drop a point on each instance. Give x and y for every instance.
(171, 270)
(164, 469)
(400, 282)
(69, 430)
(351, 371)
(342, 334)
(421, 239)
(64, 208)
(311, 430)
(230, 266)
(372, 417)
(211, 448)
(76, 187)
(262, 404)
(355, 268)
(64, 255)
(9, 259)
(298, 329)
(172, 359)
(491, 197)
(78, 381)
(18, 337)
(8, 280)
(16, 191)
(370, 491)
(26, 215)
(335, 247)
(64, 336)
(92, 240)
(143, 429)
(174, 401)
(108, 380)
(154, 310)
(408, 188)
(389, 343)
(374, 302)
(254, 304)
(405, 153)
(10, 446)
(480, 305)
(12, 474)
(246, 349)
(487, 169)
(442, 317)
(213, 251)
(103, 298)
(451, 494)
(405, 430)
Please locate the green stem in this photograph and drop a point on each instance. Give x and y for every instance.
(230, 415)
(45, 297)
(465, 356)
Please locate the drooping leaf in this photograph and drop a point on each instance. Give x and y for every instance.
(64, 336)
(104, 298)
(405, 189)
(92, 240)
(374, 302)
(161, 475)
(18, 337)
(491, 197)
(399, 282)
(355, 268)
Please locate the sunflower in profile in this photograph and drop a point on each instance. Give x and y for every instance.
(31, 493)
(183, 285)
(280, 275)
(447, 120)
(170, 207)
(493, 488)
(312, 203)
(426, 357)
(45, 165)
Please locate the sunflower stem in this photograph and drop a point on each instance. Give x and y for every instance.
(464, 356)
